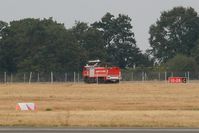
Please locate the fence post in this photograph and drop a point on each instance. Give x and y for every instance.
(78, 77)
(97, 78)
(11, 78)
(142, 76)
(24, 77)
(5, 77)
(74, 77)
(145, 76)
(132, 76)
(38, 78)
(66, 77)
(51, 75)
(188, 76)
(165, 76)
(30, 78)
(171, 74)
(159, 76)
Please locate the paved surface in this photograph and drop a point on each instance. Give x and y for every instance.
(94, 130)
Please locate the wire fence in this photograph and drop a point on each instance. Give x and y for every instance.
(33, 77)
(76, 77)
(148, 76)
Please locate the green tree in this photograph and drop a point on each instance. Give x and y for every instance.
(3, 25)
(182, 63)
(90, 41)
(174, 33)
(119, 40)
(38, 45)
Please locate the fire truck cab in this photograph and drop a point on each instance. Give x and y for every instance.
(95, 72)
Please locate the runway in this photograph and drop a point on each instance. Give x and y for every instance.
(94, 130)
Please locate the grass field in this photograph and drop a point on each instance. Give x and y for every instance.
(129, 104)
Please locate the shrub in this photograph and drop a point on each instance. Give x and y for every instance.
(182, 63)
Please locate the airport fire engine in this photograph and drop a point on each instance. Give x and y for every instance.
(96, 72)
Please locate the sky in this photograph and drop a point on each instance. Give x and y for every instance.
(142, 12)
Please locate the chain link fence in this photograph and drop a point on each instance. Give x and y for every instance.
(34, 77)
(148, 76)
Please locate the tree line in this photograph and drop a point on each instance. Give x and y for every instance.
(44, 45)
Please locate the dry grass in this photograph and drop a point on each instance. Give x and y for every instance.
(152, 104)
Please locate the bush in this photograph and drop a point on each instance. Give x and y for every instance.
(182, 63)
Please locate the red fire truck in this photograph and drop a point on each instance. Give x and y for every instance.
(96, 72)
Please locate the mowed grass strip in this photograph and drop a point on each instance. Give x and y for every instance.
(138, 104)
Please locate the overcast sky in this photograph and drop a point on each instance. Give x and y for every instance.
(143, 12)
